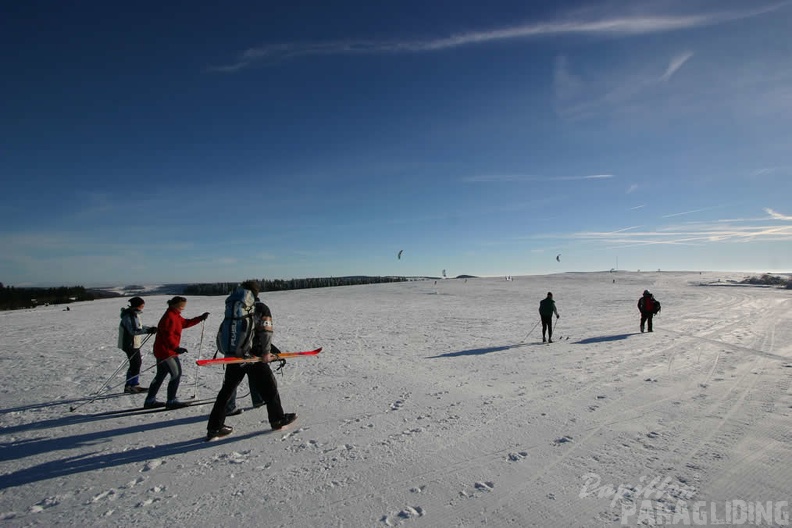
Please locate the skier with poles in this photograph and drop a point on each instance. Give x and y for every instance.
(167, 352)
(130, 340)
(247, 330)
(547, 308)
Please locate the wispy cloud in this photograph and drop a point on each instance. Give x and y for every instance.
(693, 211)
(602, 25)
(675, 64)
(733, 230)
(516, 178)
(632, 188)
(777, 216)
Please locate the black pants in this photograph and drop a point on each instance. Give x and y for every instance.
(133, 354)
(255, 397)
(646, 319)
(261, 377)
(547, 326)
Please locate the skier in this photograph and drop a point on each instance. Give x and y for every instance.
(547, 308)
(649, 307)
(130, 331)
(167, 351)
(259, 373)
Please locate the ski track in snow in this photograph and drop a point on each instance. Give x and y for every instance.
(424, 409)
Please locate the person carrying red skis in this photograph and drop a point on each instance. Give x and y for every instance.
(259, 373)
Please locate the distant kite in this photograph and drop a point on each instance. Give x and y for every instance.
(558, 257)
(399, 255)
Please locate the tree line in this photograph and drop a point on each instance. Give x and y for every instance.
(12, 298)
(224, 288)
(769, 280)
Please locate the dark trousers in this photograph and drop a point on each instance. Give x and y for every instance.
(646, 319)
(547, 326)
(172, 367)
(133, 355)
(261, 377)
(255, 397)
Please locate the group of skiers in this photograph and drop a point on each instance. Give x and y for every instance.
(246, 331)
(167, 349)
(648, 306)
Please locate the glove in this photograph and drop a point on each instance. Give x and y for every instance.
(181, 351)
(205, 316)
(152, 330)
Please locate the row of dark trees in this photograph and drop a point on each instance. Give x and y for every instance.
(769, 280)
(224, 288)
(12, 298)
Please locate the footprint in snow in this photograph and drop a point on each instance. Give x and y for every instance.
(484, 486)
(407, 513)
(516, 457)
(563, 440)
(152, 464)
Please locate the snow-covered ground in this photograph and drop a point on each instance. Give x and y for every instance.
(427, 408)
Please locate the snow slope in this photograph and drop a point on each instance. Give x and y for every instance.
(428, 407)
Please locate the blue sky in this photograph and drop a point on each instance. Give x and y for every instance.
(153, 142)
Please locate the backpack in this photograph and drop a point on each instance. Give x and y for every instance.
(656, 309)
(235, 335)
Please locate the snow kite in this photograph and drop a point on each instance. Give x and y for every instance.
(558, 257)
(399, 255)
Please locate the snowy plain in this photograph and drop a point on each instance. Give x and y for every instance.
(432, 405)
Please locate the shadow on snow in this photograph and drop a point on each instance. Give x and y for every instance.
(475, 351)
(603, 339)
(64, 467)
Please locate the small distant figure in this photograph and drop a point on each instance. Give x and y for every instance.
(68, 309)
(649, 307)
(167, 350)
(547, 308)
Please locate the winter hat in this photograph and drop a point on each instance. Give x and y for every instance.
(134, 302)
(646, 292)
(252, 285)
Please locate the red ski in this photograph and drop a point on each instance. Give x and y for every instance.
(254, 359)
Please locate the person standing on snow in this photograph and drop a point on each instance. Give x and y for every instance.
(130, 332)
(259, 373)
(547, 308)
(649, 307)
(167, 351)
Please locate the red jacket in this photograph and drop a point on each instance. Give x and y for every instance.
(169, 331)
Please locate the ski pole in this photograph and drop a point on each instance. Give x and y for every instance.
(98, 391)
(122, 365)
(75, 407)
(200, 349)
(529, 333)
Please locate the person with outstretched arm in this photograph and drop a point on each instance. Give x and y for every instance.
(167, 349)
